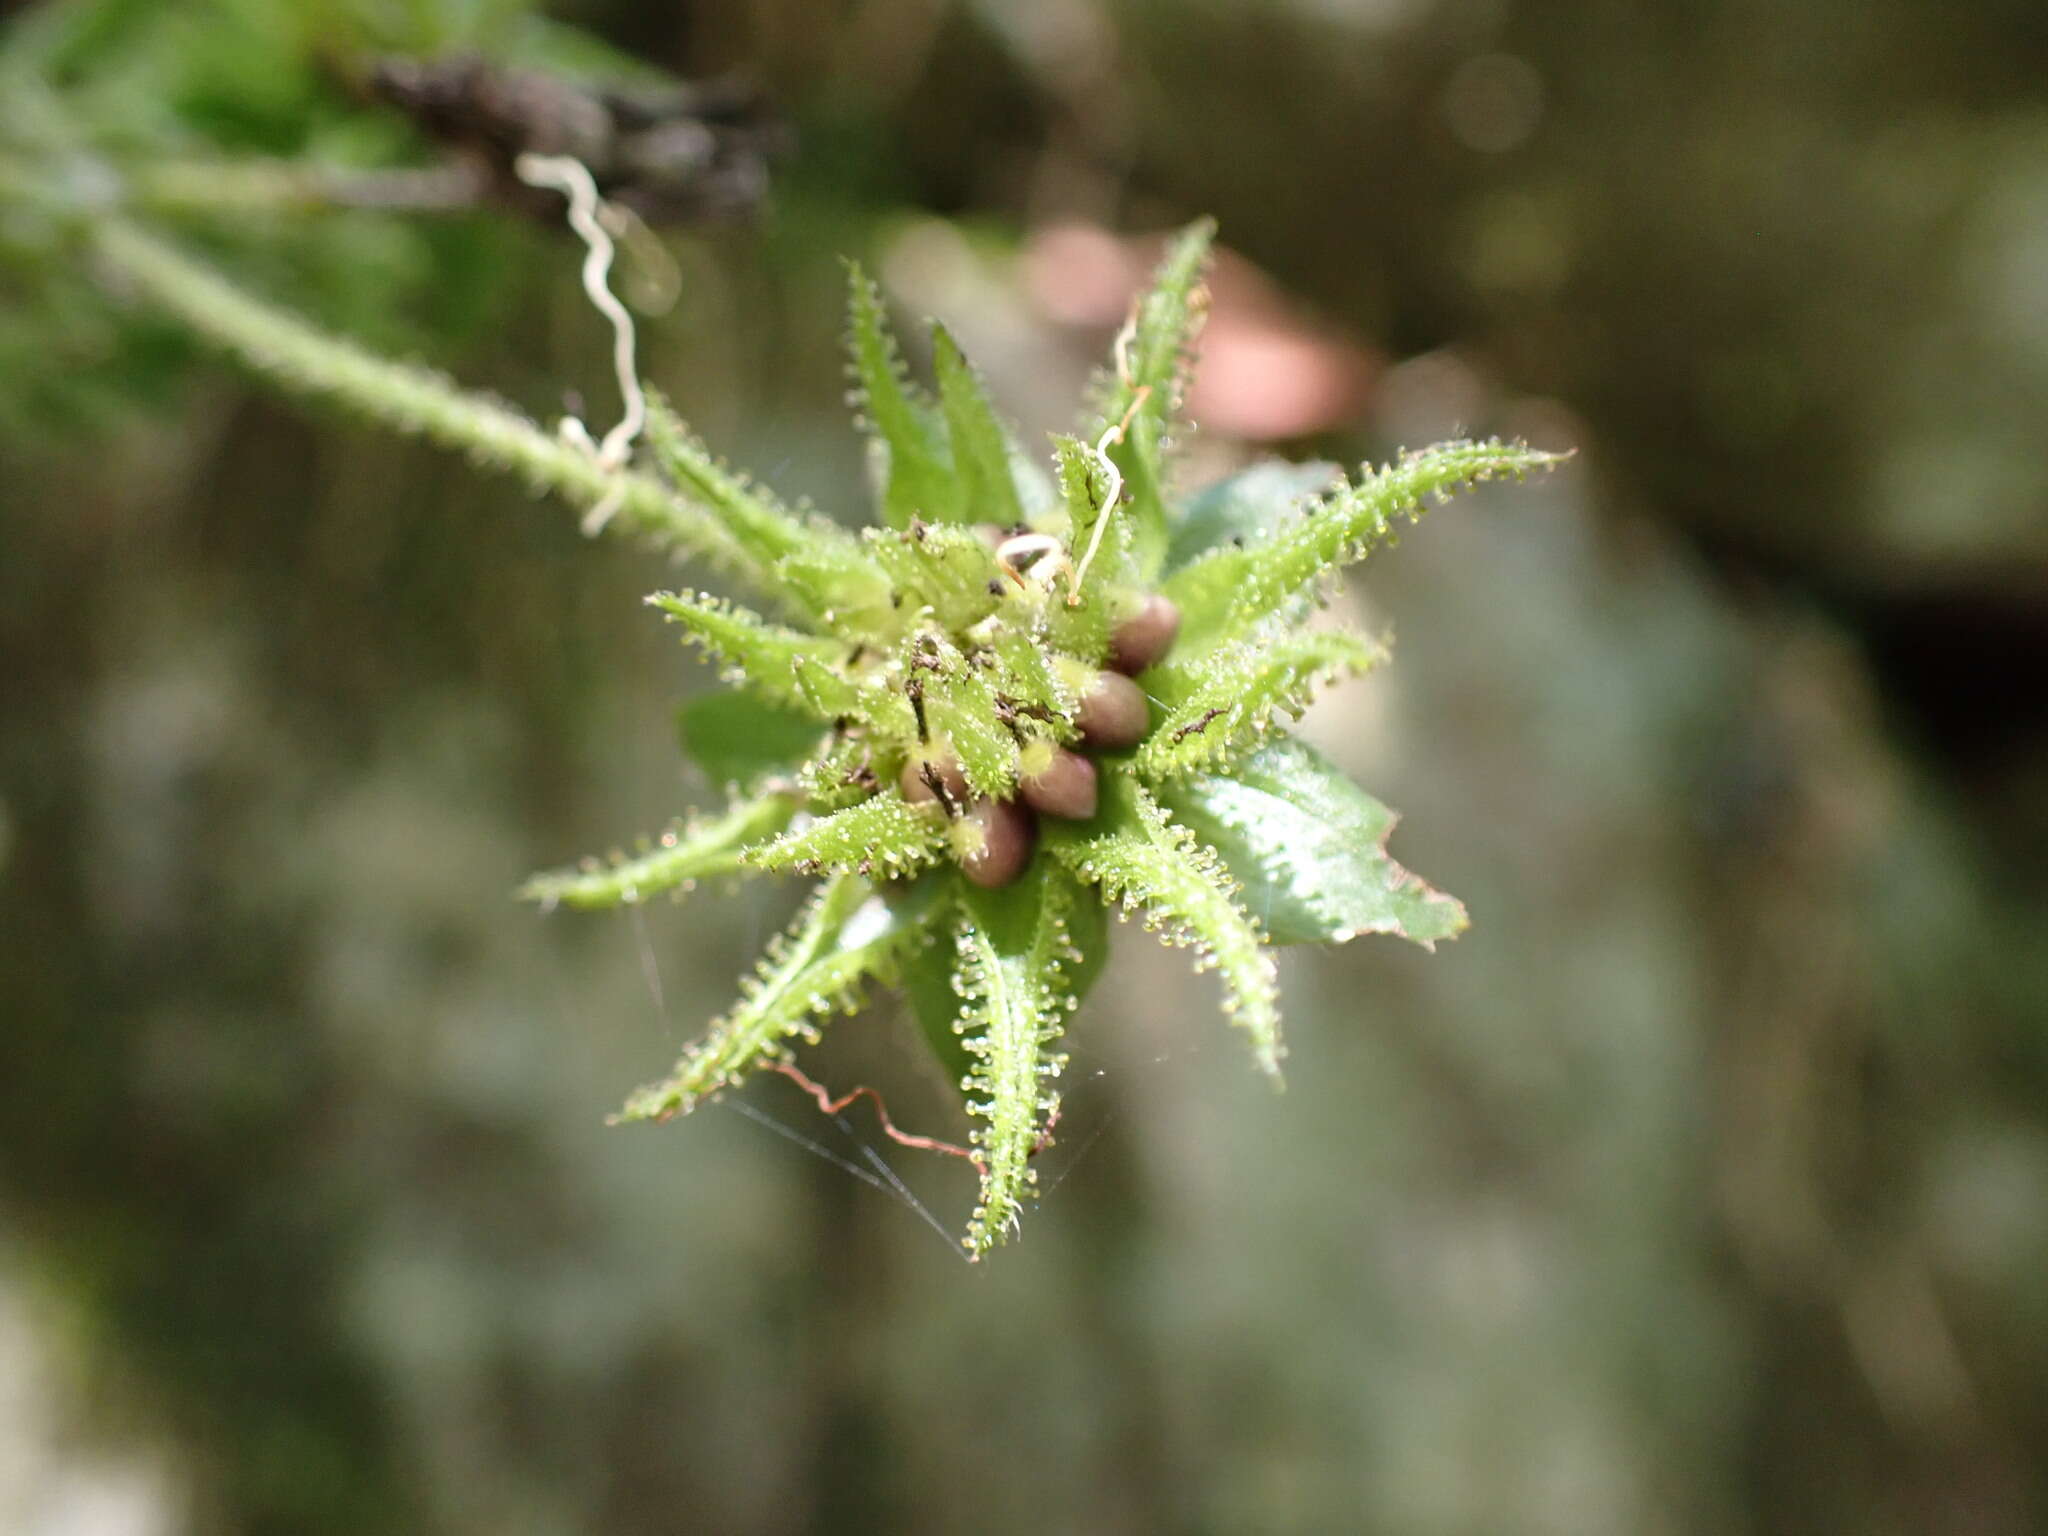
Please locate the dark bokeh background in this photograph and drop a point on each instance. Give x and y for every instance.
(1702, 1187)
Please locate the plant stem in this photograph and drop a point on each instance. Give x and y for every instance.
(223, 186)
(411, 399)
(201, 186)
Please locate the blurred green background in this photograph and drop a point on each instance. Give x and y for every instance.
(1701, 1187)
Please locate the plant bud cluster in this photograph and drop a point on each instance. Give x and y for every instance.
(993, 837)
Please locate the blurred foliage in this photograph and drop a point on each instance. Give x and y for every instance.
(1700, 1188)
(155, 105)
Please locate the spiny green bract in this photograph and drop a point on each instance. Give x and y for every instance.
(976, 793)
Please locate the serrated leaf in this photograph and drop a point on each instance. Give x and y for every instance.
(960, 704)
(845, 936)
(1229, 591)
(1168, 318)
(946, 569)
(1141, 858)
(1081, 628)
(842, 586)
(759, 524)
(738, 739)
(981, 449)
(1089, 494)
(872, 701)
(756, 655)
(675, 861)
(825, 691)
(1249, 505)
(883, 835)
(1310, 850)
(1028, 678)
(926, 978)
(840, 776)
(916, 479)
(886, 710)
(1216, 707)
(1016, 949)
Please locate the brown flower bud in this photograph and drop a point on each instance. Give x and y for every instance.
(1065, 788)
(919, 773)
(995, 837)
(1113, 713)
(1146, 636)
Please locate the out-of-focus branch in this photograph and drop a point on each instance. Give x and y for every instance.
(194, 186)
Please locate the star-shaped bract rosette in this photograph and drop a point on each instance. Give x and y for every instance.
(1019, 700)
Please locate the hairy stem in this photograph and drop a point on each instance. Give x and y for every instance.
(302, 358)
(293, 186)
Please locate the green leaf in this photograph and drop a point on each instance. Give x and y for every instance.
(1031, 682)
(757, 655)
(1141, 858)
(841, 586)
(1229, 591)
(1251, 504)
(758, 523)
(916, 479)
(937, 566)
(1215, 707)
(842, 775)
(981, 449)
(1016, 950)
(676, 861)
(960, 704)
(826, 692)
(883, 835)
(1168, 317)
(1082, 628)
(872, 701)
(844, 937)
(1310, 848)
(926, 978)
(738, 739)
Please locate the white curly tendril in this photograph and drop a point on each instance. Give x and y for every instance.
(1114, 491)
(1041, 558)
(587, 217)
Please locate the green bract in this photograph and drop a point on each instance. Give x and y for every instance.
(915, 678)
